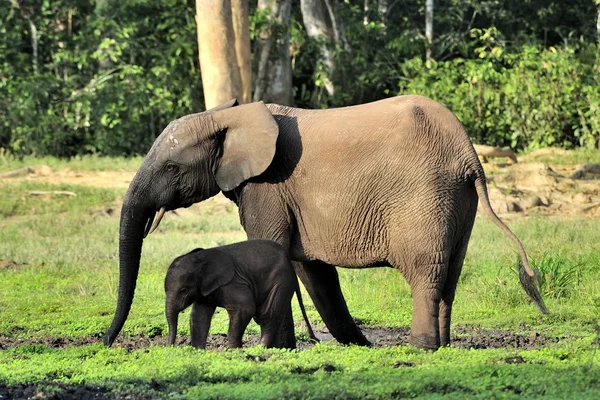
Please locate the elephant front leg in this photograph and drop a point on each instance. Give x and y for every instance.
(200, 319)
(322, 283)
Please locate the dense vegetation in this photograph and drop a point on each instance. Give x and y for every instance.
(106, 76)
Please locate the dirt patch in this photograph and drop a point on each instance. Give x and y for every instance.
(528, 187)
(61, 391)
(463, 337)
(538, 188)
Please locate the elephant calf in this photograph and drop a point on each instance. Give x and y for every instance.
(249, 279)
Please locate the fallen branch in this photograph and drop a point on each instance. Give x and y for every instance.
(585, 168)
(489, 151)
(51, 192)
(17, 172)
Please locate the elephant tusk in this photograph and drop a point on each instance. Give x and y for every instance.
(157, 220)
(149, 222)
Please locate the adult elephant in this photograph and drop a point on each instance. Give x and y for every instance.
(394, 182)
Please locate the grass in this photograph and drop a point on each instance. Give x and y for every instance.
(63, 282)
(564, 157)
(77, 163)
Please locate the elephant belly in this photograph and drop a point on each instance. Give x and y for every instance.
(351, 239)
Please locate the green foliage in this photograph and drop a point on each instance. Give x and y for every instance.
(107, 78)
(528, 99)
(325, 371)
(87, 162)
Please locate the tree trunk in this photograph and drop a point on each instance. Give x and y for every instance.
(315, 16)
(274, 74)
(429, 27)
(221, 80)
(241, 30)
(382, 10)
(598, 20)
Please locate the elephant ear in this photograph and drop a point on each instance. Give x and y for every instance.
(249, 143)
(218, 270)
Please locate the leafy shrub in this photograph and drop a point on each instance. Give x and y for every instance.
(107, 83)
(527, 99)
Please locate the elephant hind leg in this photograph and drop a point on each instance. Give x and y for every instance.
(427, 282)
(275, 317)
(454, 269)
(323, 285)
(238, 321)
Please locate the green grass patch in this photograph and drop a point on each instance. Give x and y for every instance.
(581, 155)
(78, 163)
(62, 278)
(35, 198)
(325, 371)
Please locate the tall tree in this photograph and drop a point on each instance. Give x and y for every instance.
(241, 30)
(429, 27)
(323, 23)
(598, 20)
(221, 78)
(274, 72)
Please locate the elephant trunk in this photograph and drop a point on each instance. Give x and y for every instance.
(172, 314)
(134, 223)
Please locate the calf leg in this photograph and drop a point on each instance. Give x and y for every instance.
(239, 319)
(200, 324)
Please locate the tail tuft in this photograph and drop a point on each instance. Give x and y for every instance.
(531, 286)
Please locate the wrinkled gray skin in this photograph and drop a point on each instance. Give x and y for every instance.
(393, 182)
(249, 279)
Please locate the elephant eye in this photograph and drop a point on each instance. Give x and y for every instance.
(172, 168)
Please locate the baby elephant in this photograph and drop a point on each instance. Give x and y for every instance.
(249, 279)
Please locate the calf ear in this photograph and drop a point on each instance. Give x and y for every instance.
(218, 270)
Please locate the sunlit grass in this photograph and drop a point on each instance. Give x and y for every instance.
(77, 163)
(64, 277)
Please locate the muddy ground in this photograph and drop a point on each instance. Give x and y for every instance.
(464, 337)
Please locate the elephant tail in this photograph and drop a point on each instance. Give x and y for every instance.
(528, 276)
(311, 333)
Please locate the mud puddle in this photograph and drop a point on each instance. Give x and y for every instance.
(463, 337)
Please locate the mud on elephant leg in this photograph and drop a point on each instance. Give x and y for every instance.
(323, 285)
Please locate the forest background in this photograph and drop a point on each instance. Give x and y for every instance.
(105, 77)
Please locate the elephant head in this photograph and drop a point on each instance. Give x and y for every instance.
(194, 158)
(192, 277)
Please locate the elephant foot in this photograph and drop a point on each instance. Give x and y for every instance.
(445, 340)
(425, 341)
(350, 336)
